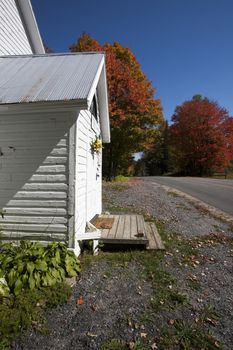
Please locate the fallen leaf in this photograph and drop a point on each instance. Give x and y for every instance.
(130, 324)
(80, 301)
(139, 234)
(89, 334)
(192, 277)
(154, 346)
(131, 345)
(171, 322)
(143, 335)
(93, 307)
(211, 321)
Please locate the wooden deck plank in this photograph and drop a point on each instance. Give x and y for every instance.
(134, 229)
(155, 241)
(113, 230)
(127, 227)
(150, 235)
(157, 237)
(104, 233)
(120, 228)
(141, 226)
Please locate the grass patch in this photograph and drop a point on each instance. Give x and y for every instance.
(213, 239)
(182, 250)
(113, 344)
(117, 209)
(208, 314)
(193, 282)
(186, 337)
(116, 344)
(173, 194)
(183, 207)
(18, 313)
(118, 187)
(165, 295)
(121, 178)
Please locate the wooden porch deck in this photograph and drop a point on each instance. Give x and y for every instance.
(131, 230)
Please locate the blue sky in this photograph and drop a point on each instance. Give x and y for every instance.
(185, 47)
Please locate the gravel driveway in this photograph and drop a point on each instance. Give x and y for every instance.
(118, 295)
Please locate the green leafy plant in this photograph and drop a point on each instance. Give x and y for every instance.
(32, 265)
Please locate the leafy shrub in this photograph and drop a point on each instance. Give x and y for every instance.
(4, 289)
(121, 178)
(32, 265)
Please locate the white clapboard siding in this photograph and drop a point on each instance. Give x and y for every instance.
(33, 219)
(34, 176)
(13, 39)
(44, 237)
(62, 212)
(37, 203)
(88, 185)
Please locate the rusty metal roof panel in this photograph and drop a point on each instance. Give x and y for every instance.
(47, 78)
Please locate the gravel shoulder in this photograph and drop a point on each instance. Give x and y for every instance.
(142, 300)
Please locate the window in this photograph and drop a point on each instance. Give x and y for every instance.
(94, 108)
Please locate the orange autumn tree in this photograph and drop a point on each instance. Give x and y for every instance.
(201, 137)
(134, 113)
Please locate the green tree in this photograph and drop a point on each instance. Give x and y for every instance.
(157, 158)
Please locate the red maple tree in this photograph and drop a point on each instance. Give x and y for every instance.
(202, 136)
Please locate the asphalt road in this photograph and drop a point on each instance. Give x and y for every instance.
(215, 192)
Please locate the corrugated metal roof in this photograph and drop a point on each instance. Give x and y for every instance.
(40, 78)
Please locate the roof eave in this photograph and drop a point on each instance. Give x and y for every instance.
(100, 84)
(105, 122)
(30, 25)
(71, 105)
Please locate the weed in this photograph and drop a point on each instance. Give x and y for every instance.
(183, 207)
(120, 187)
(208, 314)
(113, 344)
(194, 283)
(186, 337)
(173, 194)
(164, 298)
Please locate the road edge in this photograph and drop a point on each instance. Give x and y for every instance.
(216, 213)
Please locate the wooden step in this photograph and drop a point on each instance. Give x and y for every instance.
(155, 241)
(126, 229)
